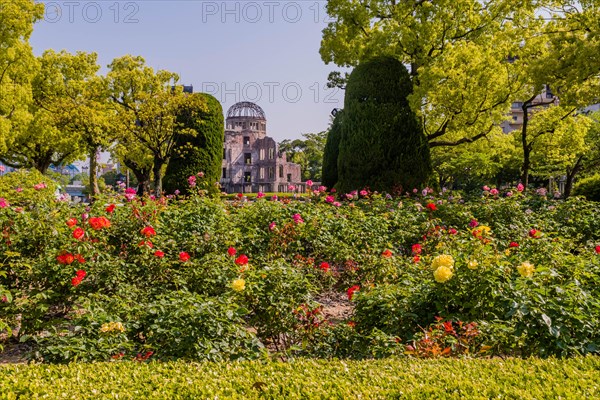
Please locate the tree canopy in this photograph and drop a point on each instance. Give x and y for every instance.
(18, 66)
(148, 105)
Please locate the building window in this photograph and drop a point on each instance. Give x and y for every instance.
(517, 104)
(224, 172)
(224, 154)
(289, 177)
(247, 177)
(515, 118)
(262, 173)
(262, 154)
(271, 153)
(281, 171)
(246, 140)
(271, 172)
(247, 158)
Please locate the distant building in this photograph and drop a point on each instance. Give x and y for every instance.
(547, 98)
(251, 160)
(68, 170)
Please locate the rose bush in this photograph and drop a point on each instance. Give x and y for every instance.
(203, 278)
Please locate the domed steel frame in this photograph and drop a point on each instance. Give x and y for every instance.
(246, 109)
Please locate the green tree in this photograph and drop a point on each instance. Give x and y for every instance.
(458, 52)
(557, 77)
(382, 145)
(331, 151)
(18, 66)
(77, 98)
(149, 105)
(570, 149)
(307, 152)
(202, 151)
(491, 160)
(50, 136)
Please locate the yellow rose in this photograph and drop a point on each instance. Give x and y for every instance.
(472, 264)
(444, 260)
(526, 269)
(442, 274)
(481, 230)
(112, 327)
(238, 285)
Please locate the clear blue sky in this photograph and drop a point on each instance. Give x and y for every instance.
(263, 51)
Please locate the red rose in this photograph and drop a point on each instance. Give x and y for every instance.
(351, 291)
(80, 274)
(597, 249)
(324, 266)
(231, 251)
(148, 231)
(452, 231)
(65, 258)
(183, 256)
(78, 233)
(431, 207)
(98, 223)
(76, 281)
(534, 233)
(79, 258)
(416, 248)
(387, 253)
(71, 222)
(242, 260)
(513, 244)
(416, 259)
(146, 243)
(160, 254)
(240, 195)
(110, 208)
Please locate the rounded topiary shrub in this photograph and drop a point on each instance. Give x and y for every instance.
(330, 153)
(589, 188)
(382, 144)
(201, 152)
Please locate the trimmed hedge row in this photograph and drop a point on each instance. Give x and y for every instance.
(575, 378)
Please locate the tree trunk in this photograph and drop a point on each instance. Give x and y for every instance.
(526, 147)
(571, 177)
(143, 178)
(43, 163)
(158, 163)
(141, 174)
(94, 188)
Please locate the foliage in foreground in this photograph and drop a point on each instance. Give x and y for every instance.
(575, 378)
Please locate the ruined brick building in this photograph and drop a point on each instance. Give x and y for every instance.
(251, 160)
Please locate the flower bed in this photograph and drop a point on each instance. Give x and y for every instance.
(203, 279)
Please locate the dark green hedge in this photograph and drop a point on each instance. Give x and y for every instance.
(589, 188)
(202, 152)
